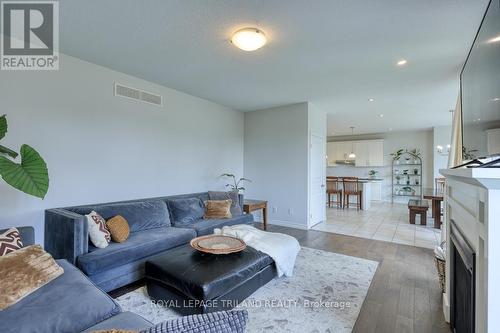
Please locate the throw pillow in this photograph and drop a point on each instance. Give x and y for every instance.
(99, 235)
(220, 322)
(218, 209)
(186, 210)
(233, 195)
(118, 228)
(25, 271)
(10, 241)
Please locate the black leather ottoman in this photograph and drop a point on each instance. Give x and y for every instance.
(192, 282)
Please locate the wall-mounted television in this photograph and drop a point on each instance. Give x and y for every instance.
(480, 89)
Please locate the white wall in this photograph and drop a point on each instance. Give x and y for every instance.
(441, 137)
(422, 140)
(276, 160)
(103, 148)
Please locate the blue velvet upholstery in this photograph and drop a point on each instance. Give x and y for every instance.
(186, 210)
(139, 245)
(206, 227)
(125, 321)
(69, 303)
(27, 235)
(66, 236)
(140, 215)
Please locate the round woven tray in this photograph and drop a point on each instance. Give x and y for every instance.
(218, 244)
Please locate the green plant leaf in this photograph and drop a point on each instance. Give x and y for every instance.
(3, 126)
(31, 176)
(7, 151)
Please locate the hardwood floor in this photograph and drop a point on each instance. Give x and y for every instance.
(404, 295)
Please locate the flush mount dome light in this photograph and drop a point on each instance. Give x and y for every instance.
(249, 39)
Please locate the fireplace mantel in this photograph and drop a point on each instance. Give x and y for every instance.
(472, 201)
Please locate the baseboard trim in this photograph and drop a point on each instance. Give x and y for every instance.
(289, 224)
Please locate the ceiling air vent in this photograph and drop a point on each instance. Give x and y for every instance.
(138, 95)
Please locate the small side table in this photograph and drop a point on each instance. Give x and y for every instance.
(250, 205)
(418, 207)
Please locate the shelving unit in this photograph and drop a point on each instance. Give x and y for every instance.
(407, 176)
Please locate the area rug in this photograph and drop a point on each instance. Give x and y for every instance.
(325, 294)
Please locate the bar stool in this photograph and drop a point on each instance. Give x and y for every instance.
(351, 188)
(332, 188)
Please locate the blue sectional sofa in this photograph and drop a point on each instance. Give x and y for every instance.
(69, 303)
(156, 226)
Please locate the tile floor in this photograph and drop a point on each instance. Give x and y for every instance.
(383, 221)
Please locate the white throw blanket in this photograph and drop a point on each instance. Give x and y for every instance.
(282, 248)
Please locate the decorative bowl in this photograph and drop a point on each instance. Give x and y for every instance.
(217, 244)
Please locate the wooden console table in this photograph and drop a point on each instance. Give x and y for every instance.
(250, 205)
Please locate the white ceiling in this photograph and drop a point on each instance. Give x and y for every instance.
(333, 53)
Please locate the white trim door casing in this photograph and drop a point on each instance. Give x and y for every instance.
(317, 180)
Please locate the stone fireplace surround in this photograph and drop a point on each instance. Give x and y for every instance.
(472, 205)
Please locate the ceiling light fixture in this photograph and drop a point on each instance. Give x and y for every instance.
(381, 115)
(352, 155)
(402, 62)
(249, 39)
(371, 99)
(494, 40)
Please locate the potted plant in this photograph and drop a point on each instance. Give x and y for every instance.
(373, 173)
(415, 171)
(397, 155)
(398, 178)
(235, 186)
(30, 175)
(408, 180)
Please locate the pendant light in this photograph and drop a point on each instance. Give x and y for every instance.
(352, 155)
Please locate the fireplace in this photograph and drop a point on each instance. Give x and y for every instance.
(462, 282)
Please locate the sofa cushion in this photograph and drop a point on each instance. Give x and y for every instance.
(123, 321)
(143, 215)
(206, 227)
(139, 245)
(186, 210)
(233, 195)
(69, 303)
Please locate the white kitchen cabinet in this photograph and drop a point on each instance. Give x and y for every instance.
(368, 152)
(362, 153)
(376, 153)
(331, 153)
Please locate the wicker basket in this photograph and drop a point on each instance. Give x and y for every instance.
(441, 269)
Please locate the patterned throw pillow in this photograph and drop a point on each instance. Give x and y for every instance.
(98, 233)
(10, 241)
(234, 321)
(218, 209)
(119, 229)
